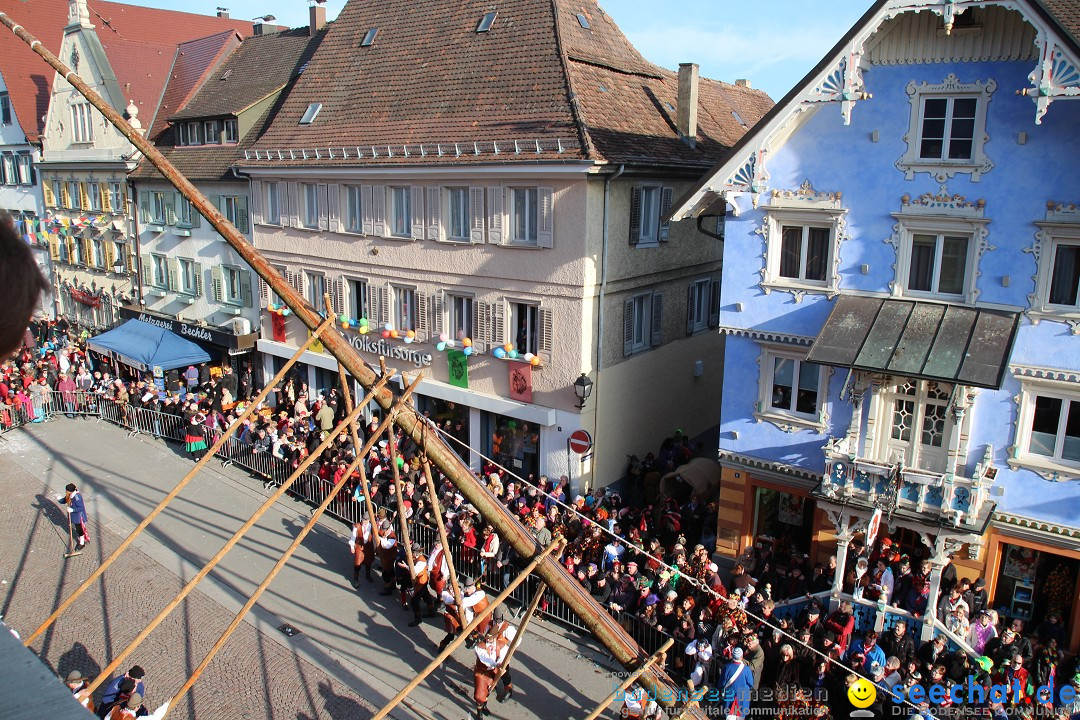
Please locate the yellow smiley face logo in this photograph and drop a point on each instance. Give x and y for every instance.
(862, 693)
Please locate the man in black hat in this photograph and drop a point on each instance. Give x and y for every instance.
(491, 652)
(977, 600)
(121, 688)
(77, 510)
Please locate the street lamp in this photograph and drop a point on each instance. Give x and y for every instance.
(583, 389)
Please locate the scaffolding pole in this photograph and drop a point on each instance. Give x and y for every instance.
(476, 621)
(100, 570)
(282, 560)
(212, 563)
(614, 637)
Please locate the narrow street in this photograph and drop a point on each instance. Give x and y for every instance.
(353, 652)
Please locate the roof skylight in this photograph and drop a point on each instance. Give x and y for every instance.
(312, 112)
(583, 21)
(486, 22)
(369, 38)
(738, 118)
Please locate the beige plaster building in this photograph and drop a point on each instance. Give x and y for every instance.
(501, 178)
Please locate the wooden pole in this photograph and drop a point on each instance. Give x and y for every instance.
(432, 494)
(615, 638)
(281, 561)
(477, 620)
(356, 443)
(208, 457)
(632, 678)
(406, 542)
(269, 503)
(533, 604)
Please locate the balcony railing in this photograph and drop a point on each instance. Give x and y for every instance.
(938, 497)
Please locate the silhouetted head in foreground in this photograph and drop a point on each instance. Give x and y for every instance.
(21, 285)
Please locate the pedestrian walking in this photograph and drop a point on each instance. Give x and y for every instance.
(76, 509)
(195, 437)
(362, 548)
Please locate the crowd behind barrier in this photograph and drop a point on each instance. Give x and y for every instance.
(645, 558)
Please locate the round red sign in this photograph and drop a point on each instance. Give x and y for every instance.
(580, 442)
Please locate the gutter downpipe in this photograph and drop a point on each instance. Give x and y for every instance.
(600, 302)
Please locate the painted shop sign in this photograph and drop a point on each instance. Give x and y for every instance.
(391, 351)
(193, 332)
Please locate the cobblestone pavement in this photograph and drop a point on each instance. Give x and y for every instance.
(354, 651)
(253, 677)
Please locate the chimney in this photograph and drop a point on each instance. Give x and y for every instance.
(223, 12)
(686, 121)
(743, 83)
(316, 17)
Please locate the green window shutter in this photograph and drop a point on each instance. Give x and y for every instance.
(245, 287)
(242, 222)
(217, 284)
(635, 215)
(197, 270)
(144, 207)
(170, 208)
(147, 275)
(174, 273)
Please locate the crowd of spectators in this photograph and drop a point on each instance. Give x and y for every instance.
(650, 564)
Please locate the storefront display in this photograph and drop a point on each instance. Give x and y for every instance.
(514, 444)
(1033, 584)
(782, 519)
(450, 417)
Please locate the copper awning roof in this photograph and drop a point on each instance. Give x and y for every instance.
(931, 341)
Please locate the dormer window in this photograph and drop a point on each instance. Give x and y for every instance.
(211, 132)
(194, 133)
(231, 131)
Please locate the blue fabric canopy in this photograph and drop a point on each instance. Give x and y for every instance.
(143, 345)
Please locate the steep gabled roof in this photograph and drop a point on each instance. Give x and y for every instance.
(259, 67)
(193, 62)
(537, 76)
(1063, 15)
(127, 30)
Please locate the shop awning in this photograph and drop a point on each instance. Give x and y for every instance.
(929, 341)
(145, 346)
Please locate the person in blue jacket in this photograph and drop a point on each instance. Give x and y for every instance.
(866, 653)
(77, 510)
(736, 684)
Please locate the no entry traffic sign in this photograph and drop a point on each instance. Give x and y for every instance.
(580, 442)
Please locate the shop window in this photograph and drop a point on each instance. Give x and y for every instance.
(513, 443)
(782, 521)
(1035, 584)
(792, 391)
(450, 417)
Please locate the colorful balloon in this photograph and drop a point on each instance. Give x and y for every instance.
(468, 351)
(451, 344)
(508, 347)
(512, 354)
(534, 360)
(344, 318)
(393, 333)
(386, 334)
(364, 329)
(499, 353)
(411, 334)
(527, 357)
(388, 326)
(363, 322)
(345, 325)
(443, 337)
(440, 346)
(286, 312)
(467, 342)
(408, 340)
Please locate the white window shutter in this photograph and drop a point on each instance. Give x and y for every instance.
(256, 203)
(665, 208)
(264, 293)
(438, 310)
(497, 324)
(146, 278)
(366, 226)
(293, 194)
(324, 203)
(417, 207)
(333, 206)
(384, 304)
(635, 215)
(480, 322)
(378, 210)
(423, 318)
(546, 339)
(628, 326)
(496, 217)
(197, 269)
(690, 309)
(241, 214)
(545, 217)
(174, 271)
(657, 325)
(434, 213)
(476, 215)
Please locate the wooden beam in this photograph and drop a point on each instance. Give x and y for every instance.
(434, 497)
(477, 620)
(208, 457)
(632, 678)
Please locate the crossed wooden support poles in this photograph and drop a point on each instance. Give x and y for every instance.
(398, 413)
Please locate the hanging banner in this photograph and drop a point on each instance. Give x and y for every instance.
(81, 296)
(316, 345)
(277, 324)
(521, 382)
(457, 363)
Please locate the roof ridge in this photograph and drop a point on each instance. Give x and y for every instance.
(571, 97)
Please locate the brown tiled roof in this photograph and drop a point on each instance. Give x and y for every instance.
(261, 66)
(1067, 14)
(194, 60)
(432, 89)
(268, 63)
(123, 29)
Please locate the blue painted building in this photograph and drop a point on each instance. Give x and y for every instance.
(901, 301)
